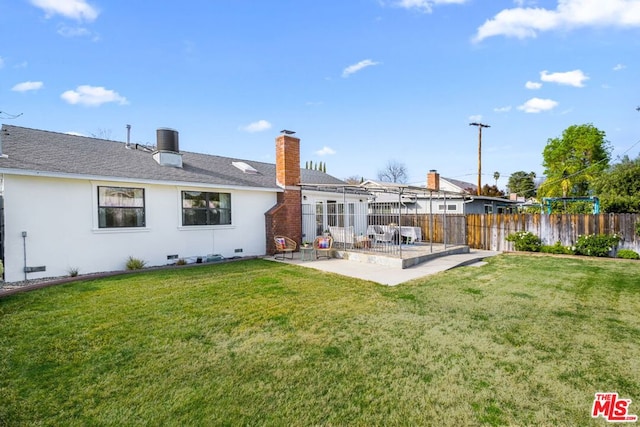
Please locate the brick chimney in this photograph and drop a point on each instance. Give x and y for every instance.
(285, 218)
(287, 161)
(433, 180)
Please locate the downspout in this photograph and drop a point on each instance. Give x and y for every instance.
(24, 246)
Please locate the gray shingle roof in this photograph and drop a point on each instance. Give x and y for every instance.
(39, 151)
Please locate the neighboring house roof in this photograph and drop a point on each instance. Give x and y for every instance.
(310, 177)
(470, 198)
(446, 185)
(458, 185)
(38, 152)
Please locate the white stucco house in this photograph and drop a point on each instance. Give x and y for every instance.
(73, 202)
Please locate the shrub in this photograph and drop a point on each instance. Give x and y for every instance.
(596, 244)
(73, 271)
(135, 263)
(181, 261)
(525, 241)
(1, 268)
(556, 248)
(628, 254)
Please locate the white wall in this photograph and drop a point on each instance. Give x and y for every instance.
(356, 211)
(424, 206)
(60, 218)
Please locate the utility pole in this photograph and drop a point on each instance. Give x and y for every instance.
(480, 126)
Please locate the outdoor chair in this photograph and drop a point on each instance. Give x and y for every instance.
(284, 245)
(382, 235)
(343, 236)
(323, 246)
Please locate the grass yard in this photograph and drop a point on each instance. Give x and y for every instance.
(524, 340)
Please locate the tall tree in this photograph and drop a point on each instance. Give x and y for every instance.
(491, 191)
(353, 179)
(619, 187)
(394, 171)
(496, 177)
(574, 161)
(522, 183)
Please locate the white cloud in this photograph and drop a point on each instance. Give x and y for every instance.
(475, 118)
(66, 31)
(259, 126)
(27, 86)
(325, 151)
(351, 69)
(537, 105)
(533, 85)
(502, 109)
(619, 67)
(529, 22)
(425, 6)
(79, 10)
(1, 62)
(574, 78)
(92, 96)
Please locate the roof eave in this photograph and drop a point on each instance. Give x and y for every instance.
(62, 175)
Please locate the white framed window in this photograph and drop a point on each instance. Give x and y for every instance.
(205, 208)
(121, 207)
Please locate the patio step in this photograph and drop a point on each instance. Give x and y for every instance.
(405, 262)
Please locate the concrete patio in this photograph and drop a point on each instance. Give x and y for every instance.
(420, 259)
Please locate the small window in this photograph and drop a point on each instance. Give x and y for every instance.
(488, 209)
(204, 208)
(451, 207)
(120, 207)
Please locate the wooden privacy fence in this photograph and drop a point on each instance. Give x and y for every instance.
(489, 231)
(451, 229)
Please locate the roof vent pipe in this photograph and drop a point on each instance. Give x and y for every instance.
(128, 136)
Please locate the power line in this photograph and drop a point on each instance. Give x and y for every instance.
(8, 116)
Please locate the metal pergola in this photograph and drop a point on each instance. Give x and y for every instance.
(403, 192)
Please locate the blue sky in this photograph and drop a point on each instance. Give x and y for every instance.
(362, 82)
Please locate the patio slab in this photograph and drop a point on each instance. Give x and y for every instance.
(391, 273)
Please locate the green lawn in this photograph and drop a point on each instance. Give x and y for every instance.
(524, 340)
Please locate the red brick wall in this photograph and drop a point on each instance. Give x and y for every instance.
(285, 218)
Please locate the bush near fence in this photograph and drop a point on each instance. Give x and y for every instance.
(490, 231)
